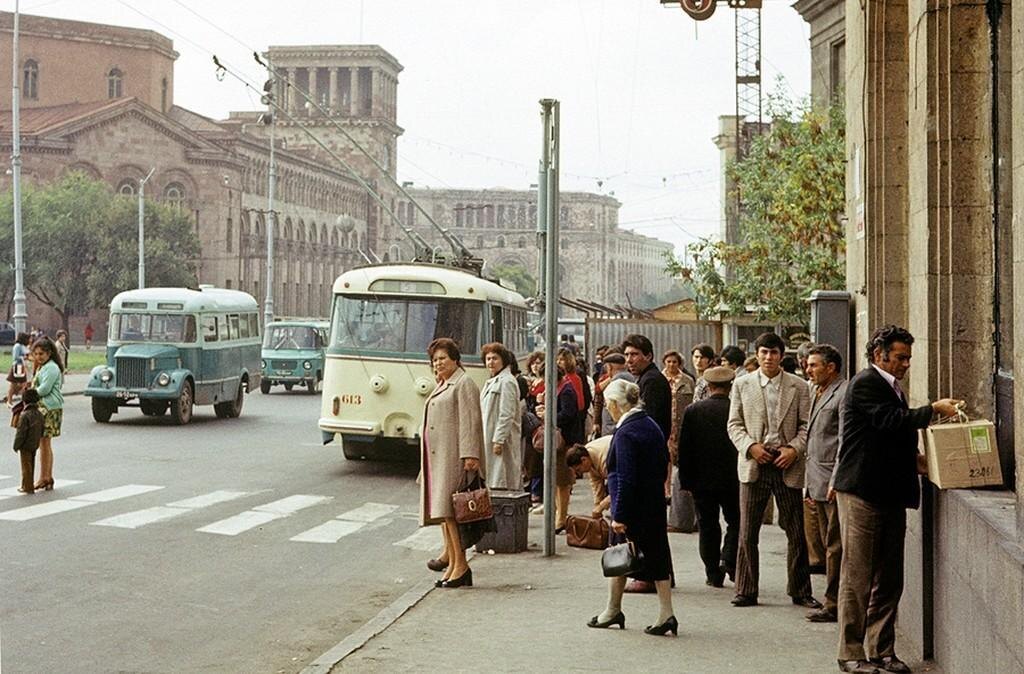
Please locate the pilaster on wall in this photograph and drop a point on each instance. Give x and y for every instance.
(877, 182)
(1017, 121)
(950, 220)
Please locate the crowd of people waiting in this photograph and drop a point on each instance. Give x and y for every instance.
(670, 450)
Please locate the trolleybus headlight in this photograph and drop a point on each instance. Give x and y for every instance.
(263, 364)
(378, 383)
(106, 376)
(307, 365)
(424, 386)
(163, 379)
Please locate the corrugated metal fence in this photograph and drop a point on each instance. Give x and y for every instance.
(664, 335)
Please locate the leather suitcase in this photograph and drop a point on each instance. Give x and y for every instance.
(587, 532)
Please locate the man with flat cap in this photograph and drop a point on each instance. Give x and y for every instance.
(707, 467)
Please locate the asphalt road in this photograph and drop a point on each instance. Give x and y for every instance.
(224, 546)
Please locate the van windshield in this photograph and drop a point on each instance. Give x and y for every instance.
(291, 337)
(153, 328)
(404, 325)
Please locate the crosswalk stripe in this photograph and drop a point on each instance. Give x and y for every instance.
(4, 477)
(268, 512)
(140, 518)
(75, 502)
(425, 539)
(329, 532)
(9, 492)
(368, 512)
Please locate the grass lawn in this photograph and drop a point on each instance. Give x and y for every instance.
(82, 362)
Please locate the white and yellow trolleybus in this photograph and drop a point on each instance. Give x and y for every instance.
(377, 375)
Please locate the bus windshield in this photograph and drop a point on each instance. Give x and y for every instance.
(291, 337)
(153, 328)
(405, 325)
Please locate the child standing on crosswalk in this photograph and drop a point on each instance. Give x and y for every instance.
(26, 440)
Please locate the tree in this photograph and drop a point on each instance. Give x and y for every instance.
(81, 244)
(791, 186)
(525, 283)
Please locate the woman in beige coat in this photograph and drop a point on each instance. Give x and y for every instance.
(502, 415)
(453, 437)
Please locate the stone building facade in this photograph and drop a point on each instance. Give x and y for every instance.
(935, 186)
(599, 261)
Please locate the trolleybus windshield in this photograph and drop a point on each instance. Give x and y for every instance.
(405, 325)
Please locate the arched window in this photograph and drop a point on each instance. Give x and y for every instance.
(115, 82)
(521, 243)
(30, 80)
(501, 242)
(126, 187)
(174, 194)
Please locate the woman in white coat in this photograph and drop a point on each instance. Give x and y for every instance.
(502, 418)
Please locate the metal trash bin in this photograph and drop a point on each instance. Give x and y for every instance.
(511, 515)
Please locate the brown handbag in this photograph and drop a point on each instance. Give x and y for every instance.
(586, 532)
(472, 500)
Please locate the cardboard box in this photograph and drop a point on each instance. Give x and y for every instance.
(962, 454)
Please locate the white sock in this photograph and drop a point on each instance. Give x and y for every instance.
(616, 586)
(664, 588)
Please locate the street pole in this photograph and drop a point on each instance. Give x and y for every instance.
(547, 191)
(20, 311)
(268, 303)
(142, 229)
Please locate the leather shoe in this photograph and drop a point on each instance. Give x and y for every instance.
(639, 587)
(437, 565)
(741, 600)
(807, 602)
(822, 616)
(727, 571)
(716, 579)
(857, 667)
(890, 663)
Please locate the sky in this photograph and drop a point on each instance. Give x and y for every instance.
(640, 85)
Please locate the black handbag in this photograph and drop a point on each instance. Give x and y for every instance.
(621, 560)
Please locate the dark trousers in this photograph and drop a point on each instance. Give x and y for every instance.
(831, 541)
(870, 576)
(712, 505)
(754, 497)
(28, 468)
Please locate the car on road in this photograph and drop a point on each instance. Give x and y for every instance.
(174, 348)
(293, 353)
(7, 334)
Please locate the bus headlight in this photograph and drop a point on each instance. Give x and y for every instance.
(307, 365)
(163, 379)
(263, 364)
(424, 386)
(106, 376)
(378, 383)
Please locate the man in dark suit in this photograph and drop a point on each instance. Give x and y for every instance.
(656, 395)
(707, 467)
(876, 480)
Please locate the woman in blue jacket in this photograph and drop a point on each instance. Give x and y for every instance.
(637, 461)
(47, 383)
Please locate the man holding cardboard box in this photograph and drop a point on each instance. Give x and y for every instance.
(876, 480)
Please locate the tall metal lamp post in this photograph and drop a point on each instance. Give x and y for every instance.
(20, 311)
(142, 229)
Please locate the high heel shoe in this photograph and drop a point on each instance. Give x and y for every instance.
(618, 619)
(465, 579)
(670, 625)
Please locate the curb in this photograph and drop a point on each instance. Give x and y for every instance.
(387, 617)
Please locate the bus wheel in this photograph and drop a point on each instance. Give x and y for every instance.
(288, 387)
(232, 408)
(181, 409)
(103, 409)
(264, 386)
(313, 385)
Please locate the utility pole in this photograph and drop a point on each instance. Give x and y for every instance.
(20, 312)
(547, 223)
(268, 303)
(142, 229)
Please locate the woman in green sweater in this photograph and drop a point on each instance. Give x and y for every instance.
(47, 382)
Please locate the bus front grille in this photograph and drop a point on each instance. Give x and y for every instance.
(131, 373)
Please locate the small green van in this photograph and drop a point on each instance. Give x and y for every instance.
(173, 348)
(293, 353)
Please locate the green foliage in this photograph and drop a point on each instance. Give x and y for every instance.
(791, 187)
(525, 283)
(80, 244)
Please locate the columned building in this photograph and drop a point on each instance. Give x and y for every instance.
(935, 187)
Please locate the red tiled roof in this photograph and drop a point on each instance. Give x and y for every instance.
(36, 121)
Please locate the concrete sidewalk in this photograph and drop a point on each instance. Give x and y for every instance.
(526, 612)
